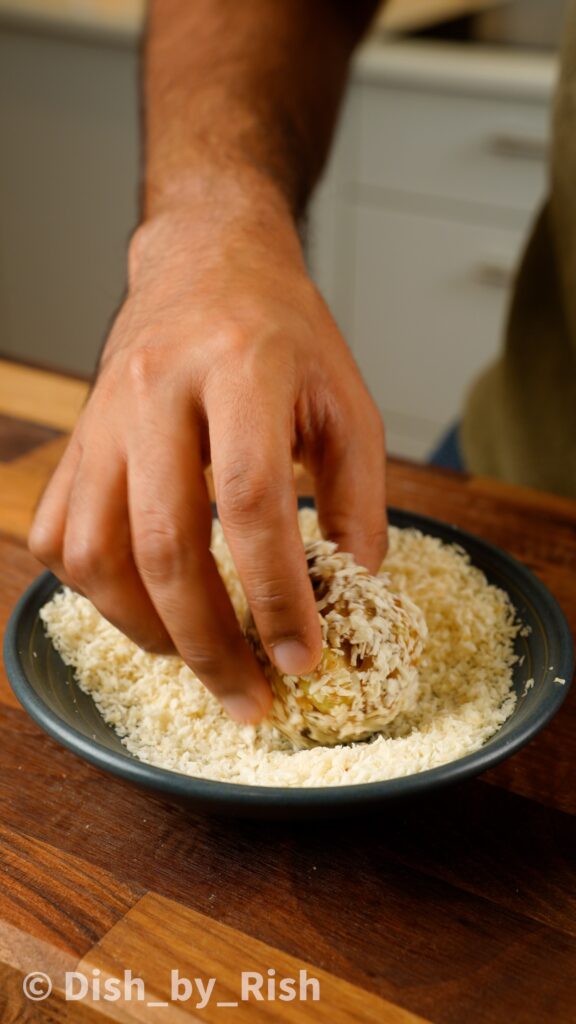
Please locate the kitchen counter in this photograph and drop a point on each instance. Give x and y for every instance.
(457, 67)
(458, 907)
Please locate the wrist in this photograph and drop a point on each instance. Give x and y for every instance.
(210, 212)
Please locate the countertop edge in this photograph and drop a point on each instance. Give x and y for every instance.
(492, 71)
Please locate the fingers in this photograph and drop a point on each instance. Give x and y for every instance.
(171, 521)
(81, 533)
(97, 555)
(350, 482)
(253, 480)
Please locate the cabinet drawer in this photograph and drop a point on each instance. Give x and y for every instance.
(430, 298)
(455, 147)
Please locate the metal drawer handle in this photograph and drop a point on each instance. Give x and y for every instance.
(494, 274)
(524, 147)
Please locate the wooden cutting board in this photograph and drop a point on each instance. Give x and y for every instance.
(460, 907)
(408, 15)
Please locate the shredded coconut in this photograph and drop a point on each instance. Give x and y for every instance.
(167, 718)
(372, 640)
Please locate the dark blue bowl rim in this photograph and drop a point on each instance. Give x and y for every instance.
(198, 790)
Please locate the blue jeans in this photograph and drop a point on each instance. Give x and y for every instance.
(448, 454)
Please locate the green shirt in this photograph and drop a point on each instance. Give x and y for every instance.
(520, 420)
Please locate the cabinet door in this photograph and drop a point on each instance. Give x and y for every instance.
(428, 310)
(480, 151)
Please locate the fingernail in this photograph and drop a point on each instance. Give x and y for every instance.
(242, 708)
(291, 657)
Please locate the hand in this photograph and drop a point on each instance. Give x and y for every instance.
(223, 352)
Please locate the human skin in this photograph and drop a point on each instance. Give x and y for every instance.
(223, 353)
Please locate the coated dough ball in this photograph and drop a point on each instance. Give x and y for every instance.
(368, 672)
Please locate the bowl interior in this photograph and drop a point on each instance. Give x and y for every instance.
(47, 688)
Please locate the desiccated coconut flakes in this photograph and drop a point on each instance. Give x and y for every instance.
(167, 718)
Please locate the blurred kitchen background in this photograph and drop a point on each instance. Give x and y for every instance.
(438, 169)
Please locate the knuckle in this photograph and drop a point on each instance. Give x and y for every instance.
(374, 545)
(84, 560)
(340, 524)
(377, 541)
(232, 346)
(142, 368)
(159, 550)
(206, 660)
(271, 601)
(43, 543)
(233, 358)
(347, 532)
(160, 644)
(244, 493)
(152, 641)
(232, 338)
(250, 352)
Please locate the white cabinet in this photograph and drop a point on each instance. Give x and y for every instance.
(418, 227)
(426, 314)
(473, 149)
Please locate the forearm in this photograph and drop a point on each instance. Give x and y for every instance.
(243, 92)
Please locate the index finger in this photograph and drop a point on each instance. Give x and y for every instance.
(171, 523)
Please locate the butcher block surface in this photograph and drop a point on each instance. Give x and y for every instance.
(460, 907)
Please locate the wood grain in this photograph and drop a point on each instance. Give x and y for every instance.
(159, 935)
(460, 907)
(16, 1009)
(22, 483)
(49, 399)
(407, 15)
(59, 899)
(60, 906)
(18, 569)
(17, 437)
(420, 906)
